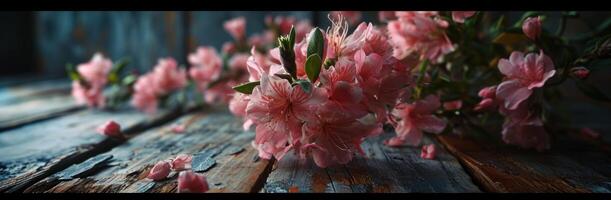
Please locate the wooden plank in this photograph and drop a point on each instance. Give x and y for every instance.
(384, 169)
(215, 133)
(31, 102)
(32, 152)
(508, 169)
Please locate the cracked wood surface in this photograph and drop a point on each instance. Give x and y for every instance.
(218, 132)
(34, 151)
(385, 169)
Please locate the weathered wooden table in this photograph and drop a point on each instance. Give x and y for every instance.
(49, 144)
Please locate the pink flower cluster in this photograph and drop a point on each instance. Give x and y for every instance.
(188, 181)
(349, 102)
(165, 78)
(523, 74)
(94, 76)
(422, 32)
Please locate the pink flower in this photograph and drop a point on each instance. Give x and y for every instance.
(580, 72)
(523, 74)
(221, 92)
(524, 128)
(145, 96)
(419, 32)
(96, 71)
(488, 92)
(93, 95)
(452, 105)
(353, 17)
(237, 106)
(532, 27)
(110, 129)
(237, 62)
(460, 16)
(335, 137)
(168, 76)
(236, 27)
(228, 48)
(181, 162)
(415, 118)
(589, 133)
(340, 44)
(178, 128)
(428, 152)
(160, 171)
(277, 110)
(385, 16)
(206, 65)
(486, 103)
(342, 90)
(189, 182)
(259, 64)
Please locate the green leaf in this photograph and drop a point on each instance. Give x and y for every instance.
(113, 76)
(287, 53)
(317, 43)
(72, 73)
(292, 37)
(592, 91)
(312, 67)
(305, 85)
(246, 88)
(129, 80)
(509, 38)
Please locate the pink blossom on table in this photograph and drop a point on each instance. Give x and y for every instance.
(178, 128)
(96, 71)
(385, 16)
(145, 95)
(110, 129)
(532, 27)
(278, 109)
(236, 27)
(206, 66)
(334, 137)
(160, 171)
(168, 76)
(420, 32)
(353, 17)
(452, 105)
(460, 16)
(523, 74)
(590, 133)
(580, 72)
(428, 152)
(524, 128)
(190, 182)
(412, 119)
(342, 90)
(181, 162)
(93, 95)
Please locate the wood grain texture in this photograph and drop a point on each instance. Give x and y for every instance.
(30, 102)
(32, 152)
(568, 167)
(217, 132)
(384, 169)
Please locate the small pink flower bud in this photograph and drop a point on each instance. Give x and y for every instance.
(110, 129)
(428, 151)
(181, 162)
(592, 134)
(160, 171)
(178, 128)
(452, 105)
(532, 27)
(488, 92)
(580, 72)
(189, 182)
(484, 104)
